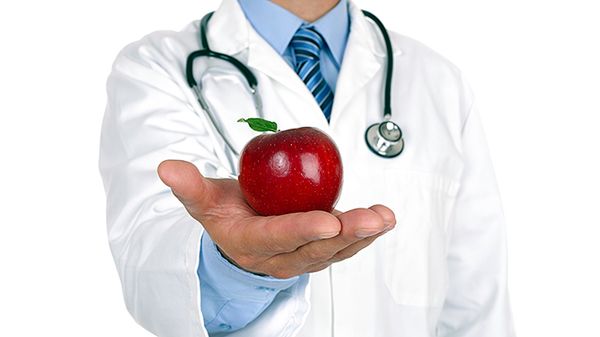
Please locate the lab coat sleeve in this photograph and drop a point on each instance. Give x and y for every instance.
(155, 243)
(153, 240)
(477, 300)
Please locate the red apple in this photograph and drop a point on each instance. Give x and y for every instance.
(289, 171)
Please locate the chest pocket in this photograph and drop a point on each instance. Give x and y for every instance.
(415, 271)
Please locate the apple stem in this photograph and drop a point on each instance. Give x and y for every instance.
(259, 124)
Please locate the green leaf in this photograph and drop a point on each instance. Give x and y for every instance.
(259, 124)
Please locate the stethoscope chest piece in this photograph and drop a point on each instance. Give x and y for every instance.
(385, 139)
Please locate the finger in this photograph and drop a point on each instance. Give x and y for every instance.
(188, 185)
(346, 253)
(389, 218)
(318, 267)
(285, 233)
(357, 224)
(354, 248)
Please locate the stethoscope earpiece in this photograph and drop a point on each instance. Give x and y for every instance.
(385, 139)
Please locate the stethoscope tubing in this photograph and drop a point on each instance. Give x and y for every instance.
(389, 70)
(389, 149)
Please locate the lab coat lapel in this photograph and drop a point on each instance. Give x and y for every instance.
(262, 57)
(227, 29)
(362, 60)
(229, 32)
(303, 108)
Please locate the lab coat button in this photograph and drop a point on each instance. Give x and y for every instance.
(225, 326)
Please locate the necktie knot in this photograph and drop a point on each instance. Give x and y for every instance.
(307, 44)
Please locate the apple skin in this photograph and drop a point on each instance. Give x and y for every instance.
(296, 170)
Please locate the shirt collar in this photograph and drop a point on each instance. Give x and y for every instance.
(277, 25)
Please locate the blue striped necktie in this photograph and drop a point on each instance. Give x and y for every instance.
(306, 45)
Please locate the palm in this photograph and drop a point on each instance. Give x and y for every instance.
(228, 202)
(281, 246)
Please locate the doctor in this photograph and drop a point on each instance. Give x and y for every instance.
(194, 259)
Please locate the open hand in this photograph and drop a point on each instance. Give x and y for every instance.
(281, 246)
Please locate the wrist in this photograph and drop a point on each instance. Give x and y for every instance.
(230, 260)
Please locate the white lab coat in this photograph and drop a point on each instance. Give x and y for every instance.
(440, 272)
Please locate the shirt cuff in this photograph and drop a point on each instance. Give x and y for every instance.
(232, 282)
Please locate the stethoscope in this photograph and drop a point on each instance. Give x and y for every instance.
(384, 139)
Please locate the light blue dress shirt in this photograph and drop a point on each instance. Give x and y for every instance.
(231, 297)
(277, 26)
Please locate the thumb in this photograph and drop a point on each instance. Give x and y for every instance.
(187, 184)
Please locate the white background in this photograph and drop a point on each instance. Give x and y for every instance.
(534, 66)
